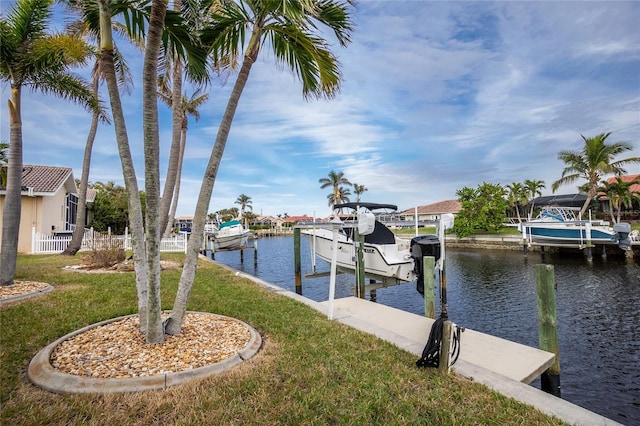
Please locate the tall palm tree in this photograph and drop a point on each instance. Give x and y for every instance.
(334, 181)
(534, 189)
(359, 190)
(292, 30)
(30, 57)
(189, 106)
(595, 160)
(340, 196)
(245, 203)
(619, 194)
(88, 28)
(517, 196)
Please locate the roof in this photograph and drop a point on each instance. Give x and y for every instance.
(47, 180)
(445, 206)
(628, 178)
(293, 219)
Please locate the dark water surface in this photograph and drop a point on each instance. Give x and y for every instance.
(494, 291)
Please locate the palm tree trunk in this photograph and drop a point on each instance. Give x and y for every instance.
(13, 196)
(174, 154)
(155, 332)
(174, 325)
(78, 233)
(176, 192)
(128, 171)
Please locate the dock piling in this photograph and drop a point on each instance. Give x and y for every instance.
(548, 327)
(429, 264)
(296, 260)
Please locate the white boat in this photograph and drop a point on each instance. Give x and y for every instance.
(560, 225)
(230, 236)
(385, 258)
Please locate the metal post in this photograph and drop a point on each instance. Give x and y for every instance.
(359, 242)
(335, 223)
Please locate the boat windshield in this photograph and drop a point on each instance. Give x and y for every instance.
(559, 214)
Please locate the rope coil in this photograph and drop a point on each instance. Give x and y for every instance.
(431, 353)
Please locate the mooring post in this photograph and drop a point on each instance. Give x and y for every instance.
(525, 246)
(296, 260)
(242, 255)
(589, 245)
(548, 327)
(445, 346)
(428, 268)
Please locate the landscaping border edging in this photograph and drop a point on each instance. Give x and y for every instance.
(41, 373)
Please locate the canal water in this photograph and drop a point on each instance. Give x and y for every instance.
(494, 292)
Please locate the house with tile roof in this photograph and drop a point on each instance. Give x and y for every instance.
(432, 211)
(49, 202)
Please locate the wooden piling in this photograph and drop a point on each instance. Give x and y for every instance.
(296, 260)
(547, 326)
(445, 345)
(255, 252)
(428, 267)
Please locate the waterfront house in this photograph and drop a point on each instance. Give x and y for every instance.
(49, 203)
(432, 211)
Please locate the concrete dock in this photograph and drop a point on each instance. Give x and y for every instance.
(499, 364)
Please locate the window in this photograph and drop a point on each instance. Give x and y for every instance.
(71, 212)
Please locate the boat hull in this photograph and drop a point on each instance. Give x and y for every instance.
(231, 241)
(382, 262)
(568, 233)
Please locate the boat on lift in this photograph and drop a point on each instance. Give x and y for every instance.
(561, 225)
(385, 257)
(230, 235)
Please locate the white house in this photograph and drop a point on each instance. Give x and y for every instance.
(49, 202)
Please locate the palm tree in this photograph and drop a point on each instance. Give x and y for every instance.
(594, 161)
(334, 181)
(359, 190)
(516, 197)
(534, 189)
(340, 196)
(88, 27)
(245, 202)
(619, 194)
(189, 106)
(291, 29)
(31, 57)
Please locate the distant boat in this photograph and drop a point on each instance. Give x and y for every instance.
(230, 236)
(385, 257)
(559, 225)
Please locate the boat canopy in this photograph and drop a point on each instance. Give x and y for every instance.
(370, 206)
(567, 200)
(230, 223)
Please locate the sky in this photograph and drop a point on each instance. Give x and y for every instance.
(436, 96)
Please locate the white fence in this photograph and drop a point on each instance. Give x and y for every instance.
(48, 244)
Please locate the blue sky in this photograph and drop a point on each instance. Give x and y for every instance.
(436, 96)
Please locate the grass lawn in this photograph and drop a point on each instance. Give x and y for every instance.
(309, 371)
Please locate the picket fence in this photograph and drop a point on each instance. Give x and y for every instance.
(52, 244)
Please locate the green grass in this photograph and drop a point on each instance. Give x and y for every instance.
(309, 371)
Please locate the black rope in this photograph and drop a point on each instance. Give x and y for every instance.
(431, 352)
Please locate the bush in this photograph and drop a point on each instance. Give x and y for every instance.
(105, 257)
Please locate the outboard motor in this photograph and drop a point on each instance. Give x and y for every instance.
(623, 230)
(421, 246)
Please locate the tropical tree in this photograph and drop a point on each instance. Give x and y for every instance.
(292, 30)
(189, 106)
(516, 196)
(30, 57)
(534, 189)
(245, 203)
(359, 190)
(88, 27)
(334, 181)
(340, 196)
(619, 194)
(595, 160)
(483, 209)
